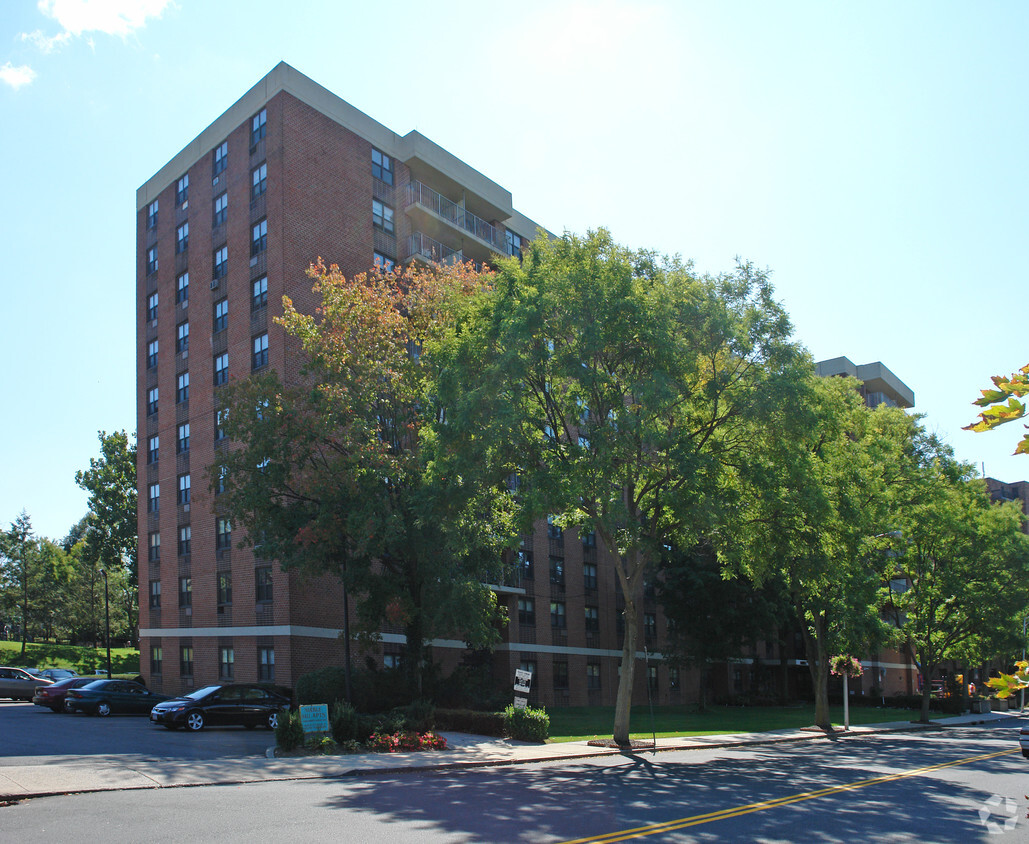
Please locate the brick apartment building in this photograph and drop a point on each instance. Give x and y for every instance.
(286, 175)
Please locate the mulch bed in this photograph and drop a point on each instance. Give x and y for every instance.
(634, 744)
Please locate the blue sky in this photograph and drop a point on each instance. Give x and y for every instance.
(872, 155)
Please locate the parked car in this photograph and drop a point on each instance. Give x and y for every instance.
(241, 704)
(54, 695)
(19, 684)
(1023, 741)
(103, 697)
(56, 674)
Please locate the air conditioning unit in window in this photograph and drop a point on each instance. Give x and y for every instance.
(214, 283)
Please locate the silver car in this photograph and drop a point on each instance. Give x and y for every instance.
(18, 684)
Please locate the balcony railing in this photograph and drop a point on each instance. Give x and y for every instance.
(422, 246)
(458, 215)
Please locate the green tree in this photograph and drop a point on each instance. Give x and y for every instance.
(329, 475)
(713, 615)
(948, 582)
(110, 539)
(615, 385)
(813, 493)
(1009, 389)
(20, 571)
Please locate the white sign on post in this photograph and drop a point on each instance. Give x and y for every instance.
(519, 702)
(523, 680)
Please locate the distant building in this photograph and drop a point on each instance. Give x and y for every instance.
(880, 385)
(1014, 491)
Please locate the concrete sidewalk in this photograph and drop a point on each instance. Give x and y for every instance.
(79, 774)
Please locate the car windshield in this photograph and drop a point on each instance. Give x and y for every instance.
(200, 693)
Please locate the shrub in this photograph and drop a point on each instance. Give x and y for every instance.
(420, 716)
(322, 744)
(289, 734)
(527, 724)
(343, 722)
(469, 721)
(326, 685)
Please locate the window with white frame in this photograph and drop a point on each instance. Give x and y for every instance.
(186, 660)
(185, 591)
(182, 388)
(151, 307)
(258, 238)
(151, 401)
(156, 656)
(266, 664)
(151, 215)
(382, 216)
(153, 502)
(154, 552)
(184, 489)
(557, 614)
(224, 587)
(182, 238)
(593, 676)
(182, 337)
(151, 354)
(153, 448)
(223, 540)
(182, 190)
(182, 439)
(260, 293)
(182, 289)
(185, 540)
(221, 315)
(151, 260)
(221, 209)
(263, 583)
(155, 594)
(382, 166)
(258, 126)
(220, 417)
(527, 611)
(226, 663)
(592, 619)
(221, 262)
(383, 262)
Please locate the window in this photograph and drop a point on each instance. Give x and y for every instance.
(258, 181)
(557, 614)
(382, 216)
(265, 664)
(263, 583)
(182, 390)
(153, 446)
(186, 660)
(652, 679)
(258, 126)
(382, 167)
(592, 676)
(221, 157)
(221, 369)
(226, 663)
(557, 571)
(649, 625)
(513, 243)
(219, 483)
(553, 529)
(224, 539)
(184, 489)
(156, 659)
(151, 401)
(221, 315)
(391, 661)
(260, 356)
(526, 611)
(523, 559)
(380, 261)
(151, 354)
(151, 260)
(182, 439)
(219, 424)
(561, 675)
(155, 594)
(151, 215)
(221, 209)
(589, 540)
(186, 591)
(151, 307)
(182, 337)
(673, 679)
(182, 238)
(155, 547)
(260, 294)
(185, 540)
(182, 190)
(589, 575)
(528, 665)
(224, 587)
(221, 262)
(182, 289)
(153, 502)
(258, 238)
(592, 619)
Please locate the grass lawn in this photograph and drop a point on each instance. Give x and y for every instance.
(577, 723)
(84, 660)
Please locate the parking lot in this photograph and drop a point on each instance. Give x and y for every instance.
(32, 734)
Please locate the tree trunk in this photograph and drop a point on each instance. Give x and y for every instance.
(705, 673)
(818, 664)
(623, 702)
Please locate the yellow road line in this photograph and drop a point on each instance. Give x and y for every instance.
(724, 814)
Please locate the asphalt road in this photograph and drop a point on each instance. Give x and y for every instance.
(32, 734)
(958, 784)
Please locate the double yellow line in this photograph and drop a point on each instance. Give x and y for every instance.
(725, 814)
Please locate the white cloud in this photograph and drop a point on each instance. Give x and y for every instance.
(81, 17)
(16, 76)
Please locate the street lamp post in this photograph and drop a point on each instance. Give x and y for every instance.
(1024, 620)
(107, 621)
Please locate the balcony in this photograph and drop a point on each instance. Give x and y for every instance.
(425, 248)
(437, 214)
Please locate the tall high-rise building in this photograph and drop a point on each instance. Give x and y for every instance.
(286, 175)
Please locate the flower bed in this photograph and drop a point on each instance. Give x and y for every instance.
(405, 741)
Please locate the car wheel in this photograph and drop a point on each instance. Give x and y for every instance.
(273, 720)
(103, 709)
(195, 721)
